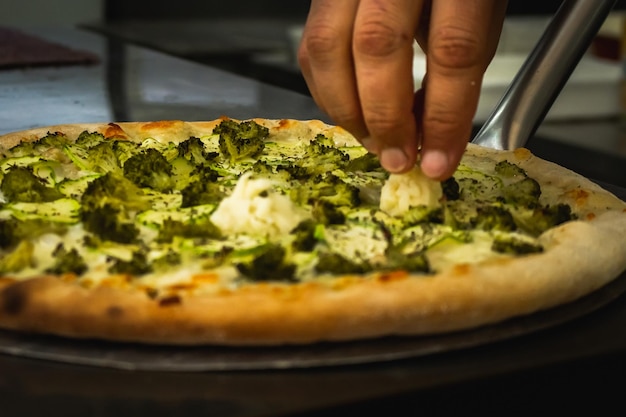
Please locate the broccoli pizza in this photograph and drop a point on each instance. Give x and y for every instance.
(265, 232)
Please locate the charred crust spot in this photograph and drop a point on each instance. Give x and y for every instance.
(393, 276)
(591, 216)
(162, 124)
(152, 293)
(115, 312)
(170, 300)
(13, 299)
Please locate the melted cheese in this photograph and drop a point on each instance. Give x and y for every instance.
(412, 189)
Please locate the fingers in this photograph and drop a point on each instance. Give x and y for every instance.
(383, 62)
(461, 41)
(325, 58)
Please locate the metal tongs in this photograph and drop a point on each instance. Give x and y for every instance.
(539, 81)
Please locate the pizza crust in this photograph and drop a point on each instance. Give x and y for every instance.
(580, 257)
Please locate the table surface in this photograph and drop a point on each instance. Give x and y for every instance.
(574, 365)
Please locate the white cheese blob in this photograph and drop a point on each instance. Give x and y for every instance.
(255, 208)
(411, 189)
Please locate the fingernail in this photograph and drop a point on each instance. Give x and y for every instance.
(393, 160)
(434, 163)
(369, 144)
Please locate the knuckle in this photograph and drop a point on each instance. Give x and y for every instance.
(378, 38)
(320, 43)
(383, 121)
(454, 47)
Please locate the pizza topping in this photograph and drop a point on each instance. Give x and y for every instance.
(246, 208)
(254, 208)
(402, 191)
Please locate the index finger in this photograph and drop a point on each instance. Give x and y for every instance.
(462, 39)
(383, 61)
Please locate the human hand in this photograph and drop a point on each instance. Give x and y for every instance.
(357, 59)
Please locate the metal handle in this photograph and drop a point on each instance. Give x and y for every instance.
(539, 81)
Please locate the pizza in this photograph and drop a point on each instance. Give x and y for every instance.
(268, 232)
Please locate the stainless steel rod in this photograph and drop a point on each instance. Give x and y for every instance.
(541, 78)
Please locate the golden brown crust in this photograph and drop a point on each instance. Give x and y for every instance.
(579, 257)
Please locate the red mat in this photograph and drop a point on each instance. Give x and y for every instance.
(21, 50)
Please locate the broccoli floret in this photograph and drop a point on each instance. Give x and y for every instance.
(451, 189)
(13, 231)
(150, 169)
(304, 236)
(193, 150)
(508, 170)
(422, 214)
(67, 261)
(321, 156)
(24, 148)
(329, 188)
(326, 213)
(411, 262)
(540, 219)
(240, 141)
(116, 191)
(295, 172)
(110, 223)
(269, 265)
(333, 263)
(99, 157)
(365, 163)
(170, 259)
(201, 192)
(493, 218)
(19, 258)
(20, 184)
(125, 149)
(137, 265)
(51, 140)
(524, 193)
(89, 139)
(514, 245)
(201, 228)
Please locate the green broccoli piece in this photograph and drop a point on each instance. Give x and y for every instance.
(24, 148)
(451, 189)
(515, 246)
(327, 213)
(67, 261)
(240, 141)
(524, 193)
(333, 263)
(329, 188)
(137, 265)
(493, 218)
(411, 262)
(201, 192)
(99, 157)
(295, 172)
(167, 261)
(269, 265)
(125, 149)
(20, 184)
(116, 191)
(52, 140)
(111, 223)
(422, 214)
(149, 168)
(507, 169)
(198, 229)
(537, 221)
(321, 156)
(19, 258)
(13, 231)
(365, 163)
(89, 139)
(193, 150)
(304, 236)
